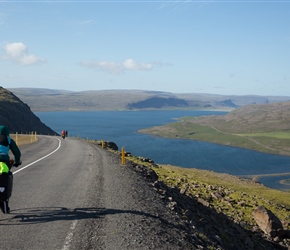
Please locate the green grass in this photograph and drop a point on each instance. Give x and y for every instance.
(273, 134)
(276, 142)
(239, 190)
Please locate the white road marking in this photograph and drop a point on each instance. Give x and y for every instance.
(59, 144)
(70, 235)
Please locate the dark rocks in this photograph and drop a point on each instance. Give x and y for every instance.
(143, 159)
(145, 171)
(111, 145)
(108, 144)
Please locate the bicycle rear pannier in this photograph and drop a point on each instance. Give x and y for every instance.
(6, 184)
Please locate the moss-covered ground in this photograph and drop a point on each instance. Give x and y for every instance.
(231, 195)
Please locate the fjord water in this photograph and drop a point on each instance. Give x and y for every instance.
(121, 127)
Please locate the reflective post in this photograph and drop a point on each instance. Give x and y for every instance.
(123, 155)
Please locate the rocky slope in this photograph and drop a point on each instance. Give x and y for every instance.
(201, 225)
(18, 117)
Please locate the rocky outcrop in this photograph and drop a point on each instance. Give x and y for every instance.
(107, 144)
(18, 117)
(268, 222)
(227, 103)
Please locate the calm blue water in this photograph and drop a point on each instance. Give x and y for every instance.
(121, 127)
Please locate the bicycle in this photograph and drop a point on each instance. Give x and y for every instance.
(6, 185)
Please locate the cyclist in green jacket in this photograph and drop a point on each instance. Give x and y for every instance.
(6, 144)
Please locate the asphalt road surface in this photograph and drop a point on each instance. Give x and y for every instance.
(69, 194)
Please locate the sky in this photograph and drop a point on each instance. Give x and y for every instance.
(216, 47)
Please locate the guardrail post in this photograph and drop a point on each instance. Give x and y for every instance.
(123, 155)
(103, 144)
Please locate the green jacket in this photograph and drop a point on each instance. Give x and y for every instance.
(13, 147)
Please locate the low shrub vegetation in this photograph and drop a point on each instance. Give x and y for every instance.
(235, 197)
(23, 139)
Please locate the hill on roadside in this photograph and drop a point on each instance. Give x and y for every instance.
(252, 119)
(260, 127)
(62, 100)
(18, 117)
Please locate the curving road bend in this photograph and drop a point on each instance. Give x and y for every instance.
(69, 194)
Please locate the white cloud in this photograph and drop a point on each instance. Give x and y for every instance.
(117, 68)
(18, 53)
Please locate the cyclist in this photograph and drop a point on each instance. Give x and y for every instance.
(6, 144)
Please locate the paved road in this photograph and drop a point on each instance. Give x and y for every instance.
(48, 189)
(69, 194)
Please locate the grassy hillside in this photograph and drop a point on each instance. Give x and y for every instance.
(252, 119)
(243, 195)
(264, 128)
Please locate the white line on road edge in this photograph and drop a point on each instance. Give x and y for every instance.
(70, 235)
(59, 144)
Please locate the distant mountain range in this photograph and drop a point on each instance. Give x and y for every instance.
(40, 99)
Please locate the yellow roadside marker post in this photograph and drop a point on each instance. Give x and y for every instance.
(123, 156)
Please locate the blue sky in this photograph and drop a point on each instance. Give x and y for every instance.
(217, 47)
